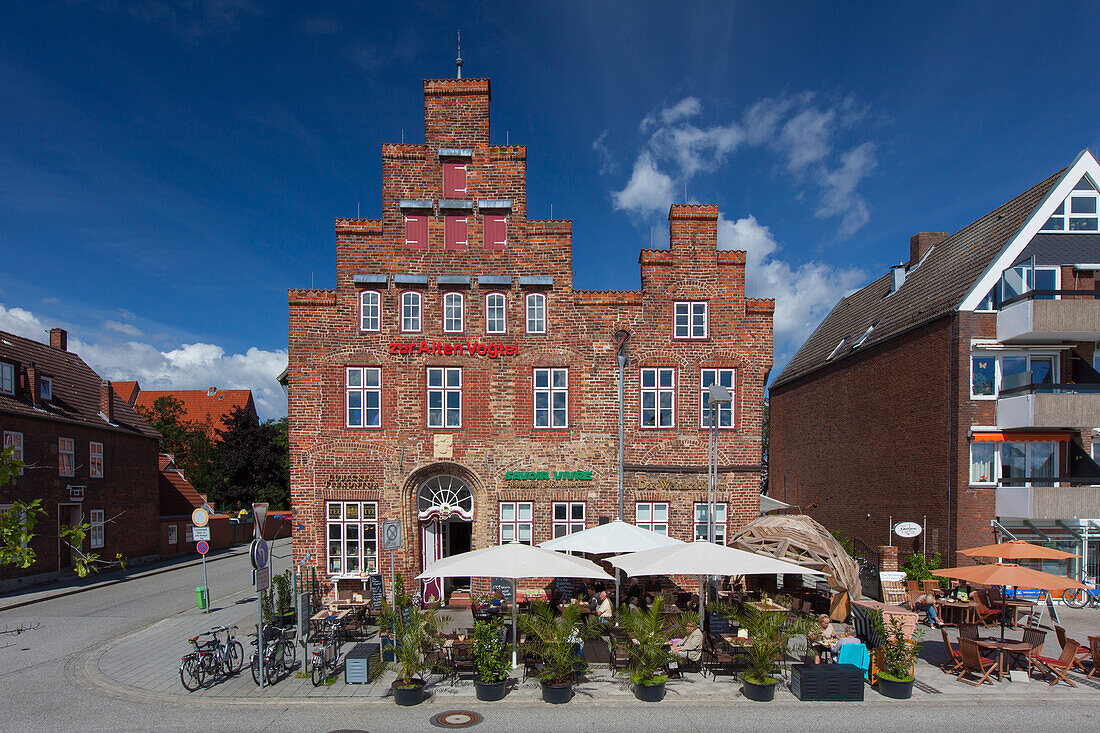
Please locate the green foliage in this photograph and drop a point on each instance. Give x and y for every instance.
(267, 604)
(254, 460)
(9, 465)
(490, 652)
(770, 632)
(845, 542)
(899, 653)
(17, 531)
(650, 653)
(283, 585)
(191, 444)
(552, 639)
(917, 567)
(416, 633)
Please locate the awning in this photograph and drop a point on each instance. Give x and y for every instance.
(996, 436)
(768, 504)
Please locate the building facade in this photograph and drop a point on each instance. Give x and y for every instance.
(960, 390)
(89, 457)
(454, 380)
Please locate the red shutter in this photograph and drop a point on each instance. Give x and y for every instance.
(454, 180)
(496, 231)
(416, 231)
(455, 232)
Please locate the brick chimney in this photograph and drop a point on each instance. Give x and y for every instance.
(106, 405)
(456, 113)
(32, 383)
(59, 339)
(921, 242)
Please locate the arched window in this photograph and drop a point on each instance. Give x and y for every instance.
(536, 313)
(495, 313)
(452, 313)
(443, 497)
(370, 311)
(410, 311)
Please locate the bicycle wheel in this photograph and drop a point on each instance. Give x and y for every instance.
(289, 655)
(319, 672)
(189, 676)
(274, 666)
(255, 664)
(208, 669)
(234, 658)
(1075, 597)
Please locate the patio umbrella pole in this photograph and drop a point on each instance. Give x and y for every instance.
(702, 601)
(515, 602)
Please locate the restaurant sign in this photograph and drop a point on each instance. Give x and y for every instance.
(907, 529)
(548, 476)
(456, 348)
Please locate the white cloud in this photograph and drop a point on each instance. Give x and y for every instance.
(840, 198)
(648, 191)
(124, 328)
(684, 109)
(607, 161)
(187, 366)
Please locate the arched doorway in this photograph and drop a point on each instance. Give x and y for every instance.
(445, 510)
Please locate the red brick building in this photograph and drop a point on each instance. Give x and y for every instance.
(456, 381)
(89, 457)
(959, 390)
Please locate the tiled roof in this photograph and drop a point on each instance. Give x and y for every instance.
(929, 292)
(75, 388)
(177, 496)
(126, 390)
(203, 406)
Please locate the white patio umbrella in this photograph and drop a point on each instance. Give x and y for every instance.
(513, 560)
(704, 558)
(613, 538)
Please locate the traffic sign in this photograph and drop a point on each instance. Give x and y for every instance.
(200, 533)
(202, 548)
(259, 514)
(199, 517)
(391, 534)
(259, 553)
(263, 578)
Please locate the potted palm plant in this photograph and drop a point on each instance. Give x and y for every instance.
(898, 655)
(415, 633)
(769, 631)
(555, 642)
(284, 617)
(650, 651)
(490, 660)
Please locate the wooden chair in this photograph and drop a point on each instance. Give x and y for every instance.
(1035, 637)
(462, 660)
(985, 613)
(1094, 648)
(954, 661)
(618, 657)
(1057, 668)
(930, 586)
(914, 588)
(1082, 652)
(968, 631)
(973, 664)
(714, 658)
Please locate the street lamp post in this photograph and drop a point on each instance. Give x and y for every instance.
(717, 395)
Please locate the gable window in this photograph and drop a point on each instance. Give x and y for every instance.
(652, 516)
(1025, 278)
(364, 397)
(95, 460)
(14, 441)
(66, 457)
(455, 231)
(536, 313)
(370, 310)
(410, 311)
(7, 378)
(551, 398)
(496, 320)
(690, 320)
(1079, 212)
(658, 398)
(45, 388)
(988, 372)
(496, 231)
(416, 231)
(95, 533)
(726, 378)
(444, 397)
(352, 537)
(454, 180)
(452, 313)
(568, 518)
(515, 522)
(702, 529)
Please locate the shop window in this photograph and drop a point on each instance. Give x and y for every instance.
(568, 518)
(702, 531)
(496, 231)
(444, 397)
(536, 313)
(690, 320)
(370, 310)
(364, 397)
(416, 231)
(410, 312)
(551, 398)
(455, 231)
(66, 457)
(95, 460)
(515, 521)
(14, 441)
(658, 398)
(352, 532)
(652, 515)
(726, 378)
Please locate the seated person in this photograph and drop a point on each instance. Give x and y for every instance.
(827, 629)
(605, 609)
(691, 647)
(927, 602)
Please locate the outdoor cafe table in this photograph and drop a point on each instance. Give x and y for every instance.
(316, 619)
(1008, 646)
(958, 612)
(1016, 606)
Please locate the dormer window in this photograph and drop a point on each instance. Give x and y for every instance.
(861, 339)
(837, 348)
(1080, 212)
(45, 388)
(7, 378)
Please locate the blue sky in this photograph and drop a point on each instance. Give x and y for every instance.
(169, 169)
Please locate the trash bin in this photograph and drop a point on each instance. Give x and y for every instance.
(201, 598)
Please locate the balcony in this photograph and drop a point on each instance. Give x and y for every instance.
(1029, 318)
(1025, 404)
(1048, 502)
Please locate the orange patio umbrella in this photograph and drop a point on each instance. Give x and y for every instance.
(1018, 550)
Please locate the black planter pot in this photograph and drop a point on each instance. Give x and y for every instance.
(650, 693)
(758, 693)
(286, 620)
(409, 695)
(491, 691)
(897, 689)
(557, 694)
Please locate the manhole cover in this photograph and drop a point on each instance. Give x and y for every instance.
(348, 730)
(455, 719)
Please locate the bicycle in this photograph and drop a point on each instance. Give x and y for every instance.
(326, 655)
(230, 652)
(1081, 597)
(200, 667)
(278, 655)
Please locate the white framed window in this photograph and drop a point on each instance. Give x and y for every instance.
(988, 371)
(983, 463)
(95, 460)
(96, 531)
(652, 515)
(726, 378)
(410, 311)
(352, 532)
(453, 313)
(861, 339)
(45, 388)
(4, 508)
(690, 320)
(496, 313)
(568, 517)
(15, 441)
(370, 310)
(1009, 463)
(658, 397)
(701, 528)
(7, 378)
(66, 457)
(836, 349)
(515, 521)
(188, 533)
(536, 313)
(173, 535)
(444, 397)
(1078, 212)
(364, 397)
(1025, 278)
(551, 398)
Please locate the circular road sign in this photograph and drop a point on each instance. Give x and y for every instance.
(199, 517)
(202, 547)
(907, 529)
(259, 553)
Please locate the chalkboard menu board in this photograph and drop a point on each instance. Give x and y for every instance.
(565, 587)
(406, 614)
(504, 587)
(377, 592)
(719, 624)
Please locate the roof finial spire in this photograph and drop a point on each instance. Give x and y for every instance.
(458, 61)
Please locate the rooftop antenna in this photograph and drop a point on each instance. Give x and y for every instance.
(356, 209)
(458, 61)
(402, 135)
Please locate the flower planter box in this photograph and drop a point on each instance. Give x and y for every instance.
(833, 682)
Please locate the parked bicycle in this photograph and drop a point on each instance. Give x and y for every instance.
(200, 667)
(327, 653)
(1081, 597)
(279, 654)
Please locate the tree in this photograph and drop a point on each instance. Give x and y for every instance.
(253, 459)
(190, 444)
(765, 456)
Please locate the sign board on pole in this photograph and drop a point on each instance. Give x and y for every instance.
(200, 533)
(202, 547)
(391, 534)
(259, 553)
(259, 513)
(907, 529)
(199, 517)
(263, 578)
